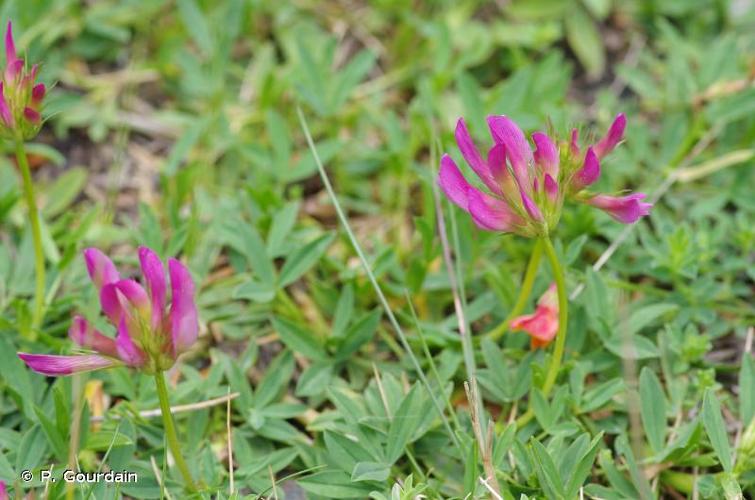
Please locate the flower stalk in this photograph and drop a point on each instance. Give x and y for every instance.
(170, 431)
(563, 318)
(36, 231)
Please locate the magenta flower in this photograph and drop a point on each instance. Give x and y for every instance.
(526, 189)
(3, 491)
(148, 337)
(20, 98)
(524, 195)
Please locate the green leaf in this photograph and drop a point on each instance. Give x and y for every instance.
(334, 484)
(54, 439)
(302, 259)
(638, 477)
(299, 339)
(315, 379)
(183, 145)
(344, 311)
(404, 424)
(32, 450)
(370, 471)
(730, 485)
(747, 389)
(16, 376)
(196, 24)
(644, 317)
(64, 191)
(585, 40)
(716, 429)
(283, 222)
(653, 409)
(547, 473)
(255, 291)
(636, 347)
(359, 334)
(103, 440)
(276, 378)
(583, 467)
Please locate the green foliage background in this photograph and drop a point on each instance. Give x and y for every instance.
(173, 124)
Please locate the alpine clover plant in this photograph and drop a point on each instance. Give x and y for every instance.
(20, 120)
(524, 194)
(150, 335)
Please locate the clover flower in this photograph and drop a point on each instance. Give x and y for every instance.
(524, 196)
(20, 98)
(526, 189)
(149, 336)
(542, 325)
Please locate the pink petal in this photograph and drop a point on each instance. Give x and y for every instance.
(111, 302)
(10, 46)
(551, 187)
(154, 275)
(542, 326)
(38, 93)
(497, 164)
(612, 137)
(625, 209)
(531, 208)
(574, 143)
(14, 69)
(32, 115)
(89, 337)
(135, 296)
(549, 298)
(508, 133)
(546, 154)
(3, 491)
(452, 182)
(183, 310)
(5, 114)
(101, 269)
(491, 214)
(52, 365)
(472, 156)
(589, 172)
(127, 349)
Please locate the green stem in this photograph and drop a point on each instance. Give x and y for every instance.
(524, 292)
(563, 318)
(170, 431)
(39, 256)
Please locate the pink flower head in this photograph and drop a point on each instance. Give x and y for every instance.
(583, 172)
(148, 337)
(20, 97)
(3, 491)
(523, 194)
(542, 325)
(627, 209)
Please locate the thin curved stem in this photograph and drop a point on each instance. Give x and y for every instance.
(524, 292)
(563, 318)
(170, 431)
(36, 232)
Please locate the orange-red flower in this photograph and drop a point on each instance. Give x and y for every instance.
(542, 325)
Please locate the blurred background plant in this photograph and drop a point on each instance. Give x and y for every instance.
(173, 124)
